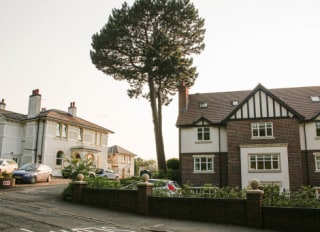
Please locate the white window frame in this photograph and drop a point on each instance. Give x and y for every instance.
(59, 158)
(317, 161)
(264, 159)
(258, 128)
(318, 129)
(202, 133)
(203, 163)
(80, 134)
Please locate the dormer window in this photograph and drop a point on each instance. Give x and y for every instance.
(234, 102)
(315, 98)
(203, 105)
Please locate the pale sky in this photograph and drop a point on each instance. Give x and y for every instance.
(45, 44)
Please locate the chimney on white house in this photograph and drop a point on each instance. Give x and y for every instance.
(34, 104)
(183, 97)
(2, 105)
(72, 110)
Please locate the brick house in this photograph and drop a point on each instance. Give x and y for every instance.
(229, 138)
(51, 136)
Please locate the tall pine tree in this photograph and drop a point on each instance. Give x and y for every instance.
(150, 45)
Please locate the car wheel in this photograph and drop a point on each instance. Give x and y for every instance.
(106, 177)
(49, 178)
(91, 175)
(33, 180)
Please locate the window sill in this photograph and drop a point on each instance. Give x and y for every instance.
(203, 142)
(264, 171)
(257, 138)
(203, 172)
(317, 138)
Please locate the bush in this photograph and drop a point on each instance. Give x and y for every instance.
(305, 197)
(101, 182)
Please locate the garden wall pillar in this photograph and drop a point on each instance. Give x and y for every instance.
(77, 187)
(144, 191)
(254, 205)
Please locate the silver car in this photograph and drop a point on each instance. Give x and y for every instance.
(8, 165)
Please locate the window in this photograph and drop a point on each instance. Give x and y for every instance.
(97, 138)
(59, 158)
(315, 98)
(58, 130)
(61, 130)
(203, 105)
(80, 134)
(264, 162)
(318, 129)
(64, 131)
(203, 163)
(317, 161)
(203, 134)
(262, 129)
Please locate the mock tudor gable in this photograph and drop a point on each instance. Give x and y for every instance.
(228, 138)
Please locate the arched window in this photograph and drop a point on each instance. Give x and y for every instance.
(59, 158)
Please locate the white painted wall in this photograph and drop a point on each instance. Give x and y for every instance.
(189, 143)
(281, 177)
(313, 142)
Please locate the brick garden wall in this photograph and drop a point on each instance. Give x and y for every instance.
(245, 212)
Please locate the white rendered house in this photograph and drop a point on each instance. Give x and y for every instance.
(51, 136)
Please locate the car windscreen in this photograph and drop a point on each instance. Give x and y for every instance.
(28, 167)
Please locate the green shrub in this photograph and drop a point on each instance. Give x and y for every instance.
(101, 182)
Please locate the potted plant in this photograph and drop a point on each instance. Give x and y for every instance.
(7, 180)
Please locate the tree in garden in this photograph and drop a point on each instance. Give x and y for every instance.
(150, 45)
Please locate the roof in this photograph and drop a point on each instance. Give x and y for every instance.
(12, 115)
(68, 118)
(219, 103)
(119, 150)
(57, 115)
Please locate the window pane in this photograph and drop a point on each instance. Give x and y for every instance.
(318, 128)
(64, 131)
(58, 130)
(262, 130)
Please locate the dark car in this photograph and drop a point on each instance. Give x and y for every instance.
(33, 173)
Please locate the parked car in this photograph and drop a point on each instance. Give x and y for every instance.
(169, 187)
(108, 174)
(8, 165)
(33, 173)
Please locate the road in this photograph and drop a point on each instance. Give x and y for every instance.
(37, 208)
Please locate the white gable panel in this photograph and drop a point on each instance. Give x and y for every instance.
(264, 106)
(251, 108)
(270, 106)
(257, 105)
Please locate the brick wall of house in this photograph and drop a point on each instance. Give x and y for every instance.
(197, 179)
(310, 176)
(284, 130)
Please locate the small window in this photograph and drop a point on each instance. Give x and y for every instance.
(59, 158)
(317, 161)
(203, 105)
(58, 130)
(318, 129)
(203, 133)
(203, 163)
(80, 134)
(262, 129)
(234, 102)
(315, 98)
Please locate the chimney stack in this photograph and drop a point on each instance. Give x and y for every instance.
(34, 104)
(2, 105)
(72, 110)
(183, 97)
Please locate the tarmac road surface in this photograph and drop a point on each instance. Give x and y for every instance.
(39, 207)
